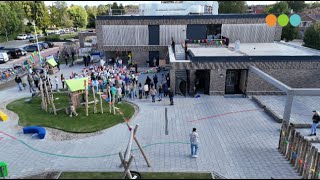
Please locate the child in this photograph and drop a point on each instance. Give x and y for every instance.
(72, 110)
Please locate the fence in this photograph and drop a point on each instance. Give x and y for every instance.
(300, 150)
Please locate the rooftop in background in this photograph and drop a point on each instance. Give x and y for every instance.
(254, 49)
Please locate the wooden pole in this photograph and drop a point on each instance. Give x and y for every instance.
(94, 100)
(140, 147)
(101, 102)
(128, 150)
(109, 95)
(53, 106)
(46, 91)
(86, 94)
(42, 95)
(113, 100)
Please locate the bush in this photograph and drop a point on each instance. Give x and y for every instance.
(53, 37)
(312, 37)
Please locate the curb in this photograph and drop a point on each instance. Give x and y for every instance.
(268, 110)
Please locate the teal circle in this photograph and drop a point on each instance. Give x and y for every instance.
(283, 20)
(295, 20)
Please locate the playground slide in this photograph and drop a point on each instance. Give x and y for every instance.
(3, 116)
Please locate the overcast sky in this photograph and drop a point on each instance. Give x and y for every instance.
(92, 3)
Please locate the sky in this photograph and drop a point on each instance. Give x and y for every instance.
(92, 3)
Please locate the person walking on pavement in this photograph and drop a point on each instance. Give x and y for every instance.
(56, 81)
(171, 94)
(160, 92)
(165, 89)
(148, 82)
(88, 60)
(194, 141)
(155, 80)
(66, 57)
(62, 81)
(30, 82)
(72, 55)
(153, 93)
(315, 119)
(146, 90)
(18, 80)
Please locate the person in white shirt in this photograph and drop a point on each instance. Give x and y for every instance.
(146, 90)
(30, 70)
(119, 93)
(56, 80)
(194, 141)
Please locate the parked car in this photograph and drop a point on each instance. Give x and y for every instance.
(32, 40)
(13, 53)
(4, 57)
(44, 45)
(50, 44)
(22, 36)
(32, 48)
(30, 36)
(23, 52)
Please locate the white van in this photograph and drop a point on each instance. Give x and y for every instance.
(4, 57)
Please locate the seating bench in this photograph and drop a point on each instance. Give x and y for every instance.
(35, 129)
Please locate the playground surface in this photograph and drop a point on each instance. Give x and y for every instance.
(237, 140)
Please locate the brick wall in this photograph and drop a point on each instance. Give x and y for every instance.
(299, 74)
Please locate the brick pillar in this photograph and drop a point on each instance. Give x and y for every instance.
(81, 40)
(192, 77)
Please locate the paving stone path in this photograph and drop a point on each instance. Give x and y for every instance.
(237, 140)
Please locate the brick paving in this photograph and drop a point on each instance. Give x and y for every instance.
(237, 140)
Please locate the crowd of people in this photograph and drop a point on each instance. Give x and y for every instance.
(120, 80)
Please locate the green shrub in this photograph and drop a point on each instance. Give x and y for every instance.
(53, 37)
(312, 37)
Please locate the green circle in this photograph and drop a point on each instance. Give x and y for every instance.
(283, 20)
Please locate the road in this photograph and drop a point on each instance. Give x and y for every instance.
(15, 43)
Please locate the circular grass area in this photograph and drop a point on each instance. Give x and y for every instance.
(31, 114)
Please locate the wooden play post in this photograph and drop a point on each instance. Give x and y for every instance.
(101, 102)
(94, 100)
(138, 144)
(46, 91)
(109, 95)
(43, 102)
(86, 94)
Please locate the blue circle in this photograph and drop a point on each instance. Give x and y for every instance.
(295, 20)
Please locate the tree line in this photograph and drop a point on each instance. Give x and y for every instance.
(19, 16)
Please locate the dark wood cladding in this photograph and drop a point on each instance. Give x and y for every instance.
(131, 48)
(212, 20)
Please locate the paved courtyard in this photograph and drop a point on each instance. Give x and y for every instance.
(237, 140)
(302, 106)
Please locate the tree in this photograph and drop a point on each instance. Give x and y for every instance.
(232, 6)
(289, 33)
(10, 23)
(315, 5)
(296, 6)
(280, 7)
(17, 7)
(66, 21)
(57, 11)
(36, 11)
(312, 36)
(103, 9)
(92, 13)
(78, 15)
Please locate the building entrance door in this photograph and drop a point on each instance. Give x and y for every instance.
(236, 81)
(203, 81)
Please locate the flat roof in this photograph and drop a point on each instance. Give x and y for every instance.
(205, 16)
(253, 49)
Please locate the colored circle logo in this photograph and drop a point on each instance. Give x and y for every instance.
(295, 20)
(271, 20)
(283, 20)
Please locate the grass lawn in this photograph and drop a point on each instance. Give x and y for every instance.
(32, 114)
(144, 175)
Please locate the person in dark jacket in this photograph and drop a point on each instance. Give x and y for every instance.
(148, 81)
(160, 92)
(18, 80)
(165, 89)
(88, 60)
(155, 80)
(66, 57)
(72, 55)
(85, 61)
(316, 120)
(171, 94)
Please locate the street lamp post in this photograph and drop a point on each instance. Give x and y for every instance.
(35, 30)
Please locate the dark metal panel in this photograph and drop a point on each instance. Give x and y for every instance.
(154, 34)
(196, 31)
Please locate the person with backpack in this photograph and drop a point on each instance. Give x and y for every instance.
(316, 120)
(19, 82)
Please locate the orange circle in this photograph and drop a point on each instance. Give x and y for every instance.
(271, 20)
